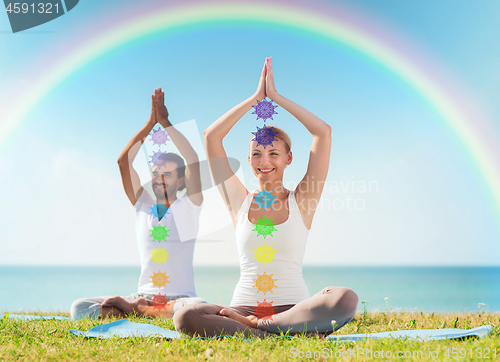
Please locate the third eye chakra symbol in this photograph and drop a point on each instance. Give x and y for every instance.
(159, 137)
(264, 109)
(159, 158)
(265, 136)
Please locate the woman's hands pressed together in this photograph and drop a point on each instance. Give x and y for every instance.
(260, 94)
(266, 86)
(271, 92)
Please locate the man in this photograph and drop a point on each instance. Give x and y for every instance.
(166, 227)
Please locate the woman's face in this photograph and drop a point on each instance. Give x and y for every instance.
(268, 164)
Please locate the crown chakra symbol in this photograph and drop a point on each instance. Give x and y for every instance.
(264, 109)
(159, 137)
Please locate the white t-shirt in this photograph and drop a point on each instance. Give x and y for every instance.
(271, 267)
(167, 264)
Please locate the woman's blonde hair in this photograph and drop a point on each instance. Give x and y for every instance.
(281, 135)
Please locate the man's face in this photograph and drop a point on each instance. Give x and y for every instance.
(165, 182)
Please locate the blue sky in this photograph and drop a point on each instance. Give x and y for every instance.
(62, 195)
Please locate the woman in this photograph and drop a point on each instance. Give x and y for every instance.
(271, 295)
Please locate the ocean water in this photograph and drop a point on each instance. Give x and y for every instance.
(427, 289)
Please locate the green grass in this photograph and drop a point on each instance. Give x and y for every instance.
(52, 341)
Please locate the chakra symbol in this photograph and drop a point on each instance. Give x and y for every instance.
(159, 137)
(159, 233)
(264, 254)
(159, 255)
(265, 199)
(159, 158)
(264, 283)
(265, 136)
(159, 210)
(159, 279)
(264, 226)
(265, 310)
(264, 109)
(159, 301)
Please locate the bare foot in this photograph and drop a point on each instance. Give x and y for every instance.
(107, 312)
(250, 321)
(122, 304)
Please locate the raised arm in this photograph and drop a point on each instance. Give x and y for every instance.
(232, 190)
(308, 194)
(192, 174)
(130, 178)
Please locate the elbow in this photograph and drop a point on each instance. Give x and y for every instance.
(122, 161)
(207, 134)
(212, 137)
(328, 130)
(325, 131)
(192, 159)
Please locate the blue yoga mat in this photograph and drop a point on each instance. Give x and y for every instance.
(26, 317)
(422, 334)
(123, 329)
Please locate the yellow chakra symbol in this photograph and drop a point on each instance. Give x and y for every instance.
(159, 255)
(264, 254)
(264, 283)
(159, 279)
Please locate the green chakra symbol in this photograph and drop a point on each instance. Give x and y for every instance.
(264, 226)
(159, 233)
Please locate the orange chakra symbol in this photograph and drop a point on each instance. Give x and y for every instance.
(264, 283)
(159, 279)
(265, 310)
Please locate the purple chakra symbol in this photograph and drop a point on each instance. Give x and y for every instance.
(159, 158)
(265, 136)
(159, 137)
(264, 109)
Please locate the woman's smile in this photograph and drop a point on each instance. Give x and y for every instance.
(265, 170)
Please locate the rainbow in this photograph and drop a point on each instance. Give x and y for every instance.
(307, 18)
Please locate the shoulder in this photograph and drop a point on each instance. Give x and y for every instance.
(186, 202)
(143, 199)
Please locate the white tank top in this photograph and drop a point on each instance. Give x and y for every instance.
(271, 267)
(167, 263)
